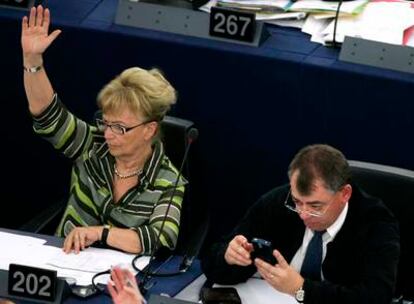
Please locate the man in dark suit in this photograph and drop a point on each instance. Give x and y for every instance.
(357, 237)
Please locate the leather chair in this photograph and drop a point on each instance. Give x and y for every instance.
(395, 186)
(194, 221)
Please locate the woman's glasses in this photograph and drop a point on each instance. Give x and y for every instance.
(117, 128)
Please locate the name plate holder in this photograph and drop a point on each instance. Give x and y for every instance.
(30, 282)
(17, 4)
(378, 54)
(178, 17)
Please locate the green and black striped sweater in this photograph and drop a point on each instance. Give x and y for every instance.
(91, 202)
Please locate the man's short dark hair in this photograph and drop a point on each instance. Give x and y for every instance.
(320, 162)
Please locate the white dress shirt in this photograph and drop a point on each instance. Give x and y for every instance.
(327, 237)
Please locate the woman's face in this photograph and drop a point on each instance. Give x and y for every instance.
(127, 133)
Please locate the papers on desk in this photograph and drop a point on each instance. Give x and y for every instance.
(15, 249)
(18, 240)
(259, 291)
(82, 267)
(351, 7)
(384, 21)
(388, 21)
(380, 21)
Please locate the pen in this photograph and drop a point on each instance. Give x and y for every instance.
(292, 16)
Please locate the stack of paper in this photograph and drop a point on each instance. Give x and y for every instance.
(319, 6)
(383, 21)
(79, 267)
(389, 21)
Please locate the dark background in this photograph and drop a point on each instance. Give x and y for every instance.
(254, 107)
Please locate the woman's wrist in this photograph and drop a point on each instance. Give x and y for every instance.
(30, 61)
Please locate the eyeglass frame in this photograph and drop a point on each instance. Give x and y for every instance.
(298, 211)
(122, 128)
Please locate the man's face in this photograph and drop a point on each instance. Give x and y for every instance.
(320, 201)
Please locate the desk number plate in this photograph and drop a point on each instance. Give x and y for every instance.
(232, 24)
(32, 283)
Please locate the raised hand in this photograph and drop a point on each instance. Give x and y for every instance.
(123, 287)
(35, 37)
(238, 251)
(281, 276)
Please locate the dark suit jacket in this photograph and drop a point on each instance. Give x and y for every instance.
(361, 262)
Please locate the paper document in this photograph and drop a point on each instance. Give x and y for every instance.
(15, 248)
(256, 291)
(84, 265)
(380, 21)
(17, 239)
(31, 251)
(90, 260)
(351, 7)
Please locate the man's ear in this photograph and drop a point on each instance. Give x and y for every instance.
(346, 193)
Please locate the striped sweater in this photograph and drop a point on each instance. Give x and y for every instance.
(91, 202)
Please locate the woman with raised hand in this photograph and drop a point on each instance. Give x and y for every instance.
(122, 181)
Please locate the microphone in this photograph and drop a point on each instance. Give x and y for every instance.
(336, 22)
(191, 136)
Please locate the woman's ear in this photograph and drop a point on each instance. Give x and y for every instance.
(151, 130)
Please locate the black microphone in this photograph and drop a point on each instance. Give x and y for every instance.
(336, 22)
(191, 136)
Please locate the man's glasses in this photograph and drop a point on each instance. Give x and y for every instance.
(316, 210)
(116, 128)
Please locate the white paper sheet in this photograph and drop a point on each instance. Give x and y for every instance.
(31, 251)
(256, 291)
(380, 21)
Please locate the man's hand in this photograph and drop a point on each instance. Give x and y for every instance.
(238, 251)
(81, 237)
(123, 287)
(281, 276)
(35, 35)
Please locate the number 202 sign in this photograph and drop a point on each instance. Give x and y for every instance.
(32, 283)
(232, 24)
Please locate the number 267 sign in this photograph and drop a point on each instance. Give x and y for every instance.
(232, 24)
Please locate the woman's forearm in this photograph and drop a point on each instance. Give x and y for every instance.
(39, 90)
(124, 239)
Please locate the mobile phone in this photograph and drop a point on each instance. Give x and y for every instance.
(220, 295)
(263, 249)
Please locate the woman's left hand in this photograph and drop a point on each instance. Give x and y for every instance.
(81, 237)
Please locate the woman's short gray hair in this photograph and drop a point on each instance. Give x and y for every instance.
(144, 92)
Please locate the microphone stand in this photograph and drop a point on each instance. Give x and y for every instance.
(336, 23)
(191, 136)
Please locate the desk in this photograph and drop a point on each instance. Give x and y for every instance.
(167, 285)
(254, 107)
(191, 292)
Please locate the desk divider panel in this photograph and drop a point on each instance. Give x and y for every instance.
(177, 19)
(378, 54)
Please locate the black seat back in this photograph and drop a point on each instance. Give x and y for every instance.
(395, 186)
(194, 217)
